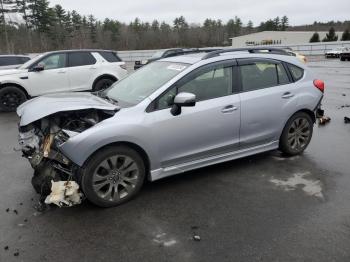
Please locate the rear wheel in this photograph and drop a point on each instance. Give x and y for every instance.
(297, 134)
(113, 176)
(10, 98)
(342, 58)
(103, 84)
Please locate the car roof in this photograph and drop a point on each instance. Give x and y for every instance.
(200, 57)
(80, 50)
(14, 56)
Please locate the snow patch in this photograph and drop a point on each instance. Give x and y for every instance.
(309, 186)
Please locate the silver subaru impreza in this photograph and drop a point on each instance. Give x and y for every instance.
(171, 116)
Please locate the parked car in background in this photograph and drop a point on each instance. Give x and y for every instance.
(301, 57)
(12, 61)
(345, 54)
(171, 53)
(169, 117)
(335, 53)
(60, 71)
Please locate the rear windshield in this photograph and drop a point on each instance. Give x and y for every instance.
(111, 57)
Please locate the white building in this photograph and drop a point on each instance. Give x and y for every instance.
(285, 38)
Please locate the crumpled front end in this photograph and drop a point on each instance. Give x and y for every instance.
(40, 143)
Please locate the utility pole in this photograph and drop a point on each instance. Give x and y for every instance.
(5, 29)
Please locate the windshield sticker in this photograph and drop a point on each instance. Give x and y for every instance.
(176, 67)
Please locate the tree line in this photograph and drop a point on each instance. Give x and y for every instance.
(331, 36)
(45, 27)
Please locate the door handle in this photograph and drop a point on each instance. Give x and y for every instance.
(287, 95)
(229, 109)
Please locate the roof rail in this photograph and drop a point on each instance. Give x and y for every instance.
(200, 50)
(252, 50)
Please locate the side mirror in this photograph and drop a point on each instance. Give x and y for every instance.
(182, 100)
(38, 68)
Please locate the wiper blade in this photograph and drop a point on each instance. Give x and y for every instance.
(106, 97)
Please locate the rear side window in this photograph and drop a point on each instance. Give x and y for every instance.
(81, 59)
(297, 72)
(111, 57)
(259, 75)
(10, 60)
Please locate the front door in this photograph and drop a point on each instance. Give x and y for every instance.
(53, 78)
(209, 128)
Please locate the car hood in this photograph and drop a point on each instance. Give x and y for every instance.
(6, 72)
(46, 105)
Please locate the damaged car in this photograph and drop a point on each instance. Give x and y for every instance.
(171, 116)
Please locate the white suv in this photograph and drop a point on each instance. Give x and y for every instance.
(60, 71)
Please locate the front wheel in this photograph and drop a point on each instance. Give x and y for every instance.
(113, 176)
(297, 134)
(10, 98)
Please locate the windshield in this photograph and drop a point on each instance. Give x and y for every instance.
(158, 54)
(139, 85)
(31, 61)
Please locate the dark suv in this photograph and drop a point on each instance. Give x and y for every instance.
(12, 61)
(170, 53)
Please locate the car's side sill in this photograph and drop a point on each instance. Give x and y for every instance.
(176, 169)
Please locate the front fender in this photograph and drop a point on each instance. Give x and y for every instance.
(79, 148)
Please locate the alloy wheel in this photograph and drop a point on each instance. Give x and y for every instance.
(115, 178)
(299, 134)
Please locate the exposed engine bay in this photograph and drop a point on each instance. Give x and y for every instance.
(40, 141)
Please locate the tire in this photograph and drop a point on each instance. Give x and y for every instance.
(296, 134)
(342, 58)
(10, 98)
(103, 84)
(113, 176)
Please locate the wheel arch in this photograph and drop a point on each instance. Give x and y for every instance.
(134, 146)
(110, 76)
(16, 85)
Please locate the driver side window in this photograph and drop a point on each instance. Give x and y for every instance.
(208, 83)
(54, 61)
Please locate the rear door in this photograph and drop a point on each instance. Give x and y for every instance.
(268, 99)
(82, 70)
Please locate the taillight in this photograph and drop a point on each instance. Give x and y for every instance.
(319, 84)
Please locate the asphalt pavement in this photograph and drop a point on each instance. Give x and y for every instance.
(260, 208)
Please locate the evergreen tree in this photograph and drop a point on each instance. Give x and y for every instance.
(250, 26)
(284, 23)
(331, 36)
(315, 38)
(346, 35)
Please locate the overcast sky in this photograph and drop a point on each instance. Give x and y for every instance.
(195, 11)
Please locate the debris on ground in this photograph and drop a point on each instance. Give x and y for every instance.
(7, 210)
(196, 238)
(16, 254)
(25, 220)
(343, 94)
(40, 206)
(6, 248)
(323, 120)
(347, 120)
(21, 204)
(64, 193)
(15, 211)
